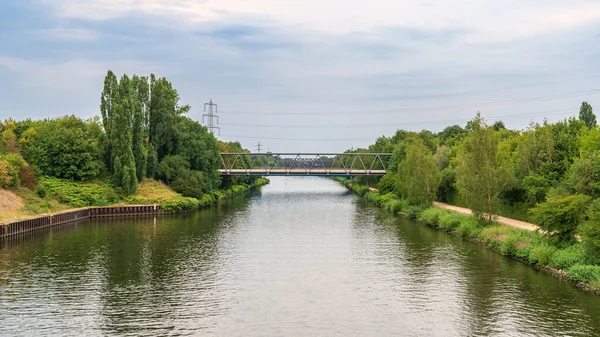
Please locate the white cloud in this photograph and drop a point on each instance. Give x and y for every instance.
(66, 34)
(488, 20)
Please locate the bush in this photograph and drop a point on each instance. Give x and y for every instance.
(180, 203)
(431, 215)
(374, 197)
(495, 234)
(568, 257)
(469, 227)
(189, 184)
(450, 220)
(585, 273)
(541, 253)
(76, 194)
(517, 243)
(360, 189)
(560, 215)
(413, 212)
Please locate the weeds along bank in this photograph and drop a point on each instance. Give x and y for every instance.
(571, 261)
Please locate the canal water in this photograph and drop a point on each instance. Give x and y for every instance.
(300, 257)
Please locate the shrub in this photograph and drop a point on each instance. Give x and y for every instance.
(360, 189)
(585, 273)
(560, 215)
(516, 243)
(189, 184)
(180, 203)
(494, 234)
(374, 197)
(76, 194)
(541, 253)
(570, 256)
(413, 212)
(431, 215)
(469, 227)
(450, 220)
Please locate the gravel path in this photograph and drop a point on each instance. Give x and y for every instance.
(502, 220)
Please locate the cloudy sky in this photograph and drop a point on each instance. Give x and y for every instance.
(309, 75)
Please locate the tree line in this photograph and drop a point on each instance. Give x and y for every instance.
(142, 132)
(548, 174)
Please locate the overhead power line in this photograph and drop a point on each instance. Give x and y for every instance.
(390, 124)
(382, 99)
(429, 108)
(397, 126)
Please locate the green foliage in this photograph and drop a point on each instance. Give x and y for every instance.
(172, 167)
(469, 227)
(585, 273)
(387, 184)
(431, 215)
(413, 212)
(451, 220)
(361, 190)
(541, 253)
(418, 176)
(590, 229)
(568, 257)
(65, 147)
(189, 184)
(484, 171)
(78, 194)
(180, 203)
(586, 115)
(560, 215)
(10, 168)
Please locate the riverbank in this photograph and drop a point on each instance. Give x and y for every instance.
(570, 263)
(153, 197)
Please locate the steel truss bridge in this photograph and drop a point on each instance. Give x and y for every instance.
(304, 164)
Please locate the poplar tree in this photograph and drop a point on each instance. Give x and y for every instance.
(108, 100)
(139, 87)
(586, 115)
(124, 168)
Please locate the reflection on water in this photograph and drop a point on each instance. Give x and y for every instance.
(302, 257)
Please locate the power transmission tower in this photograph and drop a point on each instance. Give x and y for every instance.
(258, 147)
(211, 116)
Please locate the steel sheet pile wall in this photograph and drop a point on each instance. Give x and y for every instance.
(61, 218)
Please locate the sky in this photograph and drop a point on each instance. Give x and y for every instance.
(310, 75)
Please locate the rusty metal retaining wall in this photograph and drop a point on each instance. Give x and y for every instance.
(61, 218)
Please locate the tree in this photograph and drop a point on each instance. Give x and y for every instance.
(139, 87)
(199, 148)
(108, 101)
(586, 115)
(124, 168)
(561, 215)
(419, 177)
(172, 167)
(590, 229)
(65, 147)
(484, 172)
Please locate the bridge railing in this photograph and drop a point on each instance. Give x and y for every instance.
(304, 163)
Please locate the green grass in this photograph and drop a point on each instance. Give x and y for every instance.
(585, 273)
(78, 194)
(568, 257)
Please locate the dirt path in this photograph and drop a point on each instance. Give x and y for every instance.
(502, 220)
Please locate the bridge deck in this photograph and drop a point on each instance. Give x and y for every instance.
(301, 172)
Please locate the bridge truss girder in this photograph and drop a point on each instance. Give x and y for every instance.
(319, 164)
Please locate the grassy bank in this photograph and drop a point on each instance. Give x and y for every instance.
(53, 195)
(572, 262)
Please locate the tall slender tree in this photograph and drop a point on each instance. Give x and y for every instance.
(484, 173)
(586, 114)
(124, 168)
